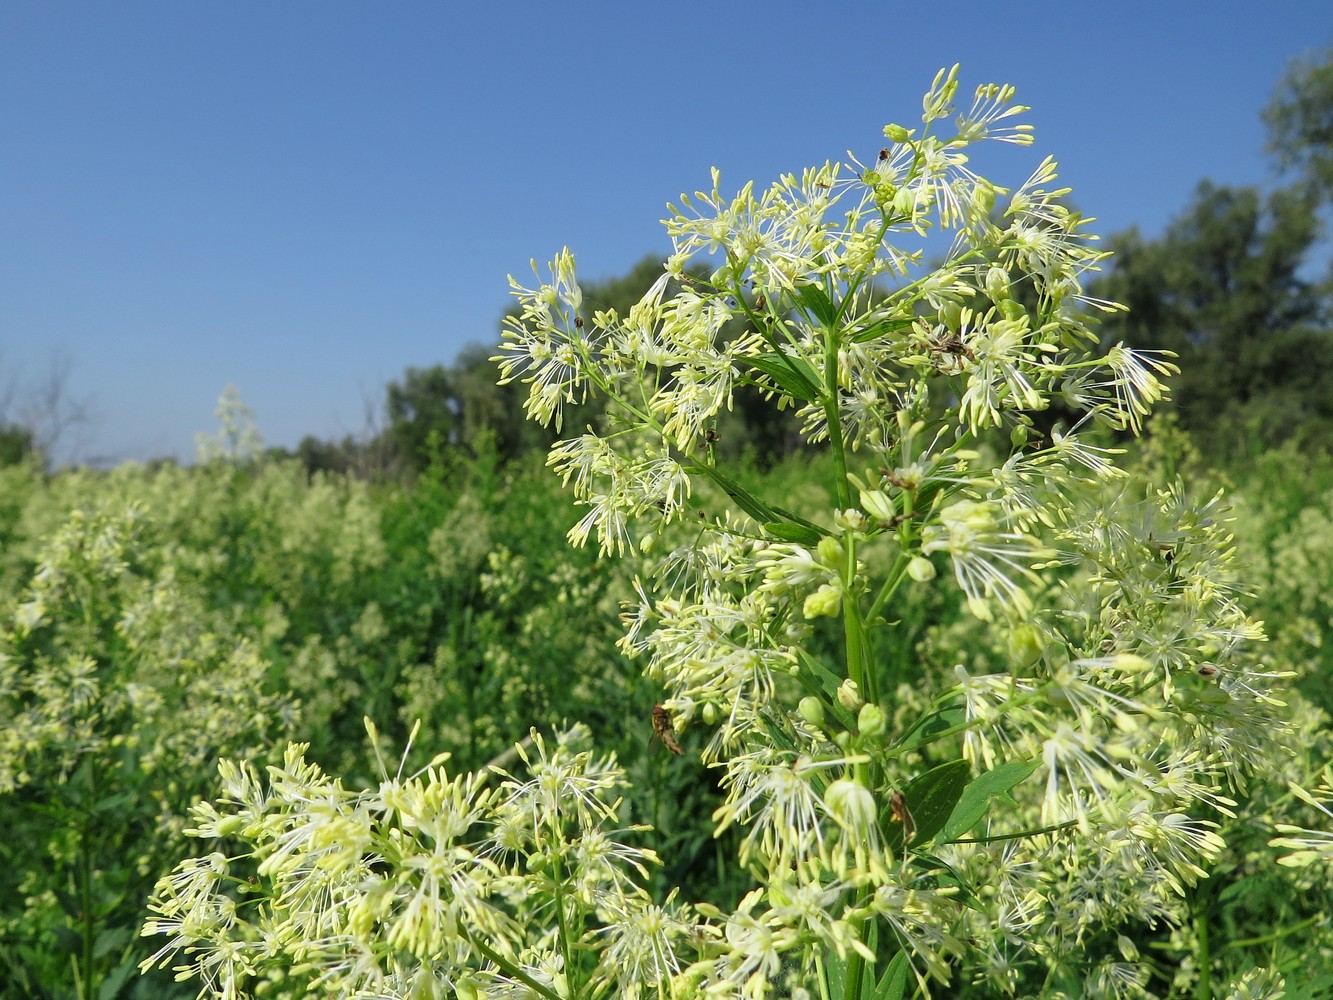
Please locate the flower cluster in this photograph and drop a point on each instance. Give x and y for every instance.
(1114, 707)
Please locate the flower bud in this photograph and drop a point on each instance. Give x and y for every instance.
(852, 805)
(878, 505)
(1129, 663)
(997, 284)
(1213, 695)
(826, 602)
(984, 194)
(921, 569)
(811, 709)
(1025, 646)
(1012, 310)
(850, 519)
(870, 720)
(896, 133)
(849, 696)
(831, 552)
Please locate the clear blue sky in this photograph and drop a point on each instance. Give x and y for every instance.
(306, 198)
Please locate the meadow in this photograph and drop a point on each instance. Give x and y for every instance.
(994, 687)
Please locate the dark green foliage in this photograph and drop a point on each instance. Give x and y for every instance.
(1223, 289)
(15, 444)
(1300, 122)
(1231, 287)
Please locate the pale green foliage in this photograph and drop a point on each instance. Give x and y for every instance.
(1117, 709)
(117, 694)
(237, 439)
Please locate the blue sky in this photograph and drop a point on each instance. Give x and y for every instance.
(306, 198)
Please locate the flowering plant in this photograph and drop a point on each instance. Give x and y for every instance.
(987, 818)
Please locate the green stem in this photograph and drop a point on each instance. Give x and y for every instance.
(1015, 836)
(1203, 956)
(509, 968)
(86, 879)
(853, 632)
(559, 876)
(962, 727)
(1270, 938)
(891, 584)
(834, 419)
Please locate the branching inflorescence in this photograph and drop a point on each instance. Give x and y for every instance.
(967, 412)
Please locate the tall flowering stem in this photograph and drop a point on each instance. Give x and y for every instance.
(1103, 687)
(964, 407)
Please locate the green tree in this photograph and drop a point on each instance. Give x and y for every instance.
(421, 407)
(1229, 287)
(15, 444)
(1300, 122)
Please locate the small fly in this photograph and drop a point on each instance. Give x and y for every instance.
(662, 727)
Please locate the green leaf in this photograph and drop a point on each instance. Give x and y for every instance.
(938, 874)
(792, 532)
(115, 979)
(976, 798)
(111, 939)
(791, 374)
(928, 726)
(881, 329)
(893, 984)
(798, 519)
(816, 300)
(745, 500)
(930, 798)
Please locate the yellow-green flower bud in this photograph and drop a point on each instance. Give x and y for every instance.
(997, 284)
(1129, 663)
(853, 805)
(870, 720)
(896, 133)
(849, 696)
(811, 710)
(1018, 437)
(921, 569)
(709, 713)
(831, 552)
(850, 519)
(985, 199)
(1012, 310)
(826, 602)
(878, 505)
(1213, 695)
(1025, 646)
(904, 201)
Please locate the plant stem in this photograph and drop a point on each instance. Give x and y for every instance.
(510, 969)
(1203, 950)
(86, 878)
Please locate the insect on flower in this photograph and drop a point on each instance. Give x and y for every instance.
(662, 727)
(903, 815)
